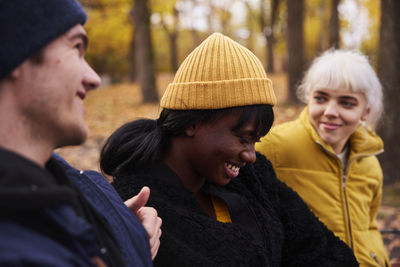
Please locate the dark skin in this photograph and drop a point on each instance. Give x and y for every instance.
(212, 152)
(205, 203)
(173, 159)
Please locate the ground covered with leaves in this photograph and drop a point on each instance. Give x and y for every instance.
(110, 107)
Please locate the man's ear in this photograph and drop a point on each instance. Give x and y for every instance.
(191, 130)
(15, 73)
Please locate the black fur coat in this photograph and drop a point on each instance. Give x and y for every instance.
(271, 226)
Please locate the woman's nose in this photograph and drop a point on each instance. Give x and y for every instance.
(331, 109)
(249, 154)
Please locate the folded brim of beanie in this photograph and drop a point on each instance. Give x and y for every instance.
(29, 25)
(219, 73)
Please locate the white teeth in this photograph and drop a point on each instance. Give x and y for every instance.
(232, 167)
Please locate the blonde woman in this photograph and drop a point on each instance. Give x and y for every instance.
(328, 154)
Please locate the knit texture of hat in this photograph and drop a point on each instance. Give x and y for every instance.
(29, 25)
(219, 73)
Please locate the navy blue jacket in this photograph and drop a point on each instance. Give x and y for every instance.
(45, 220)
(128, 230)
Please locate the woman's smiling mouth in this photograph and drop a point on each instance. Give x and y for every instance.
(231, 170)
(330, 126)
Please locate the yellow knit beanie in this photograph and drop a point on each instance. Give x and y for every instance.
(219, 73)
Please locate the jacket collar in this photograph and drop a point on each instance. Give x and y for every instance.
(24, 185)
(240, 210)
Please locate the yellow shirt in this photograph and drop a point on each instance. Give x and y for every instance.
(221, 210)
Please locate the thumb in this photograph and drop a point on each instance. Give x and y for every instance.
(138, 201)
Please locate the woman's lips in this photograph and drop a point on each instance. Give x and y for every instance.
(330, 126)
(231, 170)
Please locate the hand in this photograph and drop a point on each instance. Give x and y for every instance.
(148, 216)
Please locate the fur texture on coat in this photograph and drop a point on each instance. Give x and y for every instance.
(271, 226)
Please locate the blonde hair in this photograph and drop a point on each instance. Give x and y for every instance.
(345, 69)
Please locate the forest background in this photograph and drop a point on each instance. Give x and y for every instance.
(137, 46)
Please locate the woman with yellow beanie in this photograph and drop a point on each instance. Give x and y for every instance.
(220, 202)
(328, 154)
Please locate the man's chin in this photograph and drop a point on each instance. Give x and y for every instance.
(73, 139)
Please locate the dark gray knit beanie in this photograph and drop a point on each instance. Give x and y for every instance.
(29, 25)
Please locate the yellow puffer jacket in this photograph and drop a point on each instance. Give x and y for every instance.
(347, 202)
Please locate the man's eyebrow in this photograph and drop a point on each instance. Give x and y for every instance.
(81, 36)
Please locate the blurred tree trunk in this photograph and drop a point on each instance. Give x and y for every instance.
(270, 37)
(250, 39)
(323, 36)
(268, 31)
(195, 37)
(225, 18)
(132, 59)
(210, 16)
(143, 51)
(173, 47)
(388, 71)
(172, 34)
(295, 14)
(334, 25)
(219, 16)
(249, 19)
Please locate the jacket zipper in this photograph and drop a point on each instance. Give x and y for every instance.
(346, 207)
(344, 176)
(373, 255)
(345, 172)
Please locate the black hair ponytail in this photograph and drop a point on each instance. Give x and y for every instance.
(139, 143)
(134, 144)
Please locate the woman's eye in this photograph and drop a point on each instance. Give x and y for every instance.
(347, 104)
(244, 140)
(319, 99)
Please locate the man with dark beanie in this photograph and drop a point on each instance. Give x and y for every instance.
(46, 217)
